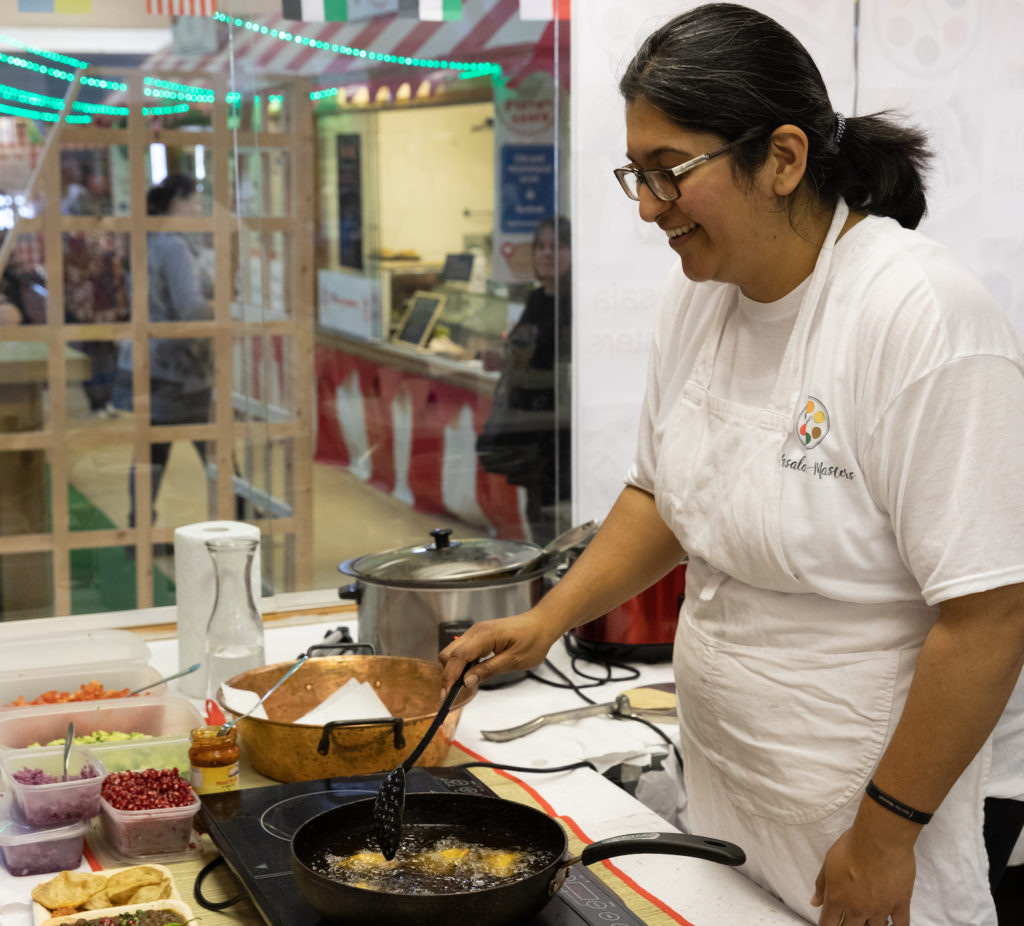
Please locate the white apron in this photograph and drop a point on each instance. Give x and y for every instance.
(778, 743)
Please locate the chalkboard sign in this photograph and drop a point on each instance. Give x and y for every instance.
(458, 268)
(418, 321)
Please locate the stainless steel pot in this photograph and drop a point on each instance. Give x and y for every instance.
(414, 600)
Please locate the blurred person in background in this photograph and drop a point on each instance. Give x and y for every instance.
(181, 369)
(526, 436)
(96, 285)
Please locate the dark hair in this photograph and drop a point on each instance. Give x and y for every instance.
(727, 69)
(560, 226)
(158, 199)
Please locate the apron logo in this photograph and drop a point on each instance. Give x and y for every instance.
(812, 425)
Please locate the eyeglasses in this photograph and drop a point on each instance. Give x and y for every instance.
(663, 182)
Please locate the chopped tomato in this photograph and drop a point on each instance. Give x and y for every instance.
(90, 691)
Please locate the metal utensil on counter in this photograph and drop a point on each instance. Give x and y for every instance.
(166, 678)
(69, 738)
(390, 801)
(620, 707)
(298, 662)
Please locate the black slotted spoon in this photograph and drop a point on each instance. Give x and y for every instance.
(389, 804)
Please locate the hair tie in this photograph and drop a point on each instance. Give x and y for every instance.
(840, 127)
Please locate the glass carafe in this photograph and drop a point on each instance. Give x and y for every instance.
(234, 634)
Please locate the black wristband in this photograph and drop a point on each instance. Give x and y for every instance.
(897, 807)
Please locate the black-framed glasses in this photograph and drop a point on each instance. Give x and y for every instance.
(663, 182)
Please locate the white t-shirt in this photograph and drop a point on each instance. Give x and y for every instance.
(917, 494)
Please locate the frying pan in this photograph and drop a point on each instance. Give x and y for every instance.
(489, 821)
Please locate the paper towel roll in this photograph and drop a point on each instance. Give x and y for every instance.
(196, 588)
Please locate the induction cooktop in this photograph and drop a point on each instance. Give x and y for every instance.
(253, 829)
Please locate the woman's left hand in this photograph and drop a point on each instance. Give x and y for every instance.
(865, 881)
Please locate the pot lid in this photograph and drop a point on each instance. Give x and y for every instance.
(446, 560)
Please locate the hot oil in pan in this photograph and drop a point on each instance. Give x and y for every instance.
(430, 862)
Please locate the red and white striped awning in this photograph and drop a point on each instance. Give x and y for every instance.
(490, 30)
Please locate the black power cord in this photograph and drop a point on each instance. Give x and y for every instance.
(630, 673)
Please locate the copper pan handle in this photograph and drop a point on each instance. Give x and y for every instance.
(397, 723)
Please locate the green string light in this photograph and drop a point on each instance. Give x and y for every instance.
(103, 83)
(42, 116)
(19, 62)
(43, 53)
(165, 110)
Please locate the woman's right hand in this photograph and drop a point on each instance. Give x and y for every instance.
(519, 642)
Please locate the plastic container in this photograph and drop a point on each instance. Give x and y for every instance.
(30, 850)
(30, 685)
(168, 720)
(30, 654)
(60, 802)
(136, 834)
(95, 916)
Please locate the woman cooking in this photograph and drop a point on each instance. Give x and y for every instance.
(831, 432)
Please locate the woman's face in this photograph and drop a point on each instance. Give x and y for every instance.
(550, 259)
(184, 205)
(721, 231)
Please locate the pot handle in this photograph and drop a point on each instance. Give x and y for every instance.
(353, 592)
(711, 850)
(398, 723)
(341, 649)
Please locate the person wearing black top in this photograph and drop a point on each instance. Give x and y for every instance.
(526, 436)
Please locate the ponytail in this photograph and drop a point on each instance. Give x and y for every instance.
(879, 168)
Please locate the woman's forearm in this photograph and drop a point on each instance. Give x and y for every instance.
(632, 550)
(965, 673)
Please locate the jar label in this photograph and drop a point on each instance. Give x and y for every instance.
(212, 780)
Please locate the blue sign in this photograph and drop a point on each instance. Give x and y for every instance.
(527, 187)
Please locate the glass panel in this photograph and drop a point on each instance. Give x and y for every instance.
(183, 482)
(24, 279)
(178, 101)
(26, 583)
(24, 492)
(182, 276)
(24, 372)
(95, 398)
(103, 578)
(363, 167)
(21, 144)
(265, 276)
(94, 180)
(193, 162)
(264, 181)
(263, 378)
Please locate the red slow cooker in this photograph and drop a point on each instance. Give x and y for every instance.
(639, 630)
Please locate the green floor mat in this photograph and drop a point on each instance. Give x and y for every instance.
(103, 579)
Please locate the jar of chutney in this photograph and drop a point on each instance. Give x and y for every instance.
(214, 760)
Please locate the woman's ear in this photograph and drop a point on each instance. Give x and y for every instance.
(788, 159)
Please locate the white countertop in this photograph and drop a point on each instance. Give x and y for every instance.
(703, 893)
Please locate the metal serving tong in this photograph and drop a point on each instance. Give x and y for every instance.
(620, 707)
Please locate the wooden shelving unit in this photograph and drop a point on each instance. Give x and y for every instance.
(263, 437)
